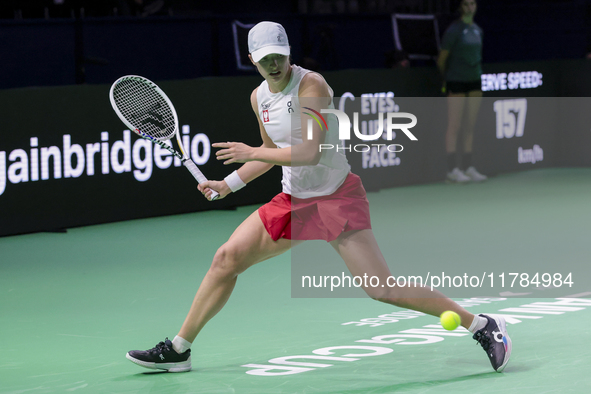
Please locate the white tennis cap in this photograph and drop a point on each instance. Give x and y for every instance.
(266, 38)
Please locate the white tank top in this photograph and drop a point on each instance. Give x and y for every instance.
(280, 114)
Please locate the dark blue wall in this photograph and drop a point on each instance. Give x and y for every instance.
(99, 50)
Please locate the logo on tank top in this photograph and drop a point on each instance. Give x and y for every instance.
(265, 107)
(289, 109)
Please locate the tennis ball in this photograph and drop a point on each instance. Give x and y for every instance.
(450, 320)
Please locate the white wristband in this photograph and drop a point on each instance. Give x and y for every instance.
(234, 182)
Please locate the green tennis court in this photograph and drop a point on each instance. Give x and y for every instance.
(74, 303)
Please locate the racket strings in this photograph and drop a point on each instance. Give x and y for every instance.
(144, 108)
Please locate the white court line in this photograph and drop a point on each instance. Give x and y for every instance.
(78, 387)
(579, 295)
(83, 336)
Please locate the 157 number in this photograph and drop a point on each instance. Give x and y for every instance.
(510, 117)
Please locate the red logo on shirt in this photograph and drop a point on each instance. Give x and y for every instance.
(266, 116)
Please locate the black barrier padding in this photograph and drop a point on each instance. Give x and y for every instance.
(219, 108)
(494, 155)
(551, 71)
(421, 161)
(575, 78)
(573, 136)
(404, 82)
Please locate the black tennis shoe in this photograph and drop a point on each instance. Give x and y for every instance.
(495, 341)
(163, 357)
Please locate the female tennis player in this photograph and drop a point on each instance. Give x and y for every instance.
(460, 62)
(321, 199)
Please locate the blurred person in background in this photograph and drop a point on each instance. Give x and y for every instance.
(460, 62)
(144, 7)
(397, 59)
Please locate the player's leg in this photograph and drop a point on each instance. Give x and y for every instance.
(472, 108)
(455, 114)
(360, 251)
(249, 244)
(362, 255)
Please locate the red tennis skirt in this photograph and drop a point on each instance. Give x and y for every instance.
(324, 217)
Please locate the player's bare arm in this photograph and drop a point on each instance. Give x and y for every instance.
(442, 60)
(315, 91)
(250, 170)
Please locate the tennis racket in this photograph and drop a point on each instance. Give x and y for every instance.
(148, 112)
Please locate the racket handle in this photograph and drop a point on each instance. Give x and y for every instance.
(199, 176)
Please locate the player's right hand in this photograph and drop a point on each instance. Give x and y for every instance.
(207, 187)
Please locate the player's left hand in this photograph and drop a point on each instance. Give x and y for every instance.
(233, 152)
